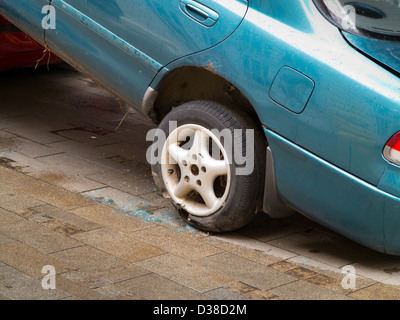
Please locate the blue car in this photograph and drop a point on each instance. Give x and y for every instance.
(261, 105)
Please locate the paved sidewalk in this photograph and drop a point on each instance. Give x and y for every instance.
(76, 194)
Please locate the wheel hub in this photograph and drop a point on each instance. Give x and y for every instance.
(190, 172)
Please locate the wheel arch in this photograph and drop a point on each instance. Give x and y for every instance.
(190, 83)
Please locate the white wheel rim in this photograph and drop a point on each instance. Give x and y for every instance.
(191, 171)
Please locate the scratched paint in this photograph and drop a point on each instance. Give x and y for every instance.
(106, 34)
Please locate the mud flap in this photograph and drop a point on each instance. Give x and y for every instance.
(273, 205)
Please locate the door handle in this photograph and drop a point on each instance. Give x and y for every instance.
(199, 12)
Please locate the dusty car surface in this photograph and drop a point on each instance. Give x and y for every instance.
(18, 50)
(261, 104)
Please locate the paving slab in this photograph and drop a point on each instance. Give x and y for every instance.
(156, 287)
(303, 290)
(52, 216)
(118, 244)
(107, 216)
(17, 285)
(173, 241)
(29, 260)
(38, 237)
(261, 277)
(187, 273)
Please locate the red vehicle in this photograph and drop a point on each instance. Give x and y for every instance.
(18, 50)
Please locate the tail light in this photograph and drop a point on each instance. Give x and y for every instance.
(392, 149)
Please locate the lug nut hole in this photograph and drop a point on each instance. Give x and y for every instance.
(194, 169)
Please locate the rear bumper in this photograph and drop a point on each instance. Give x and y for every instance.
(335, 198)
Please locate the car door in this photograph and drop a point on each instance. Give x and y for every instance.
(127, 42)
(166, 29)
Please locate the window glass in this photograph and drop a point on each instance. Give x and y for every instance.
(378, 19)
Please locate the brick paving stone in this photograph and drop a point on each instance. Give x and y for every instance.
(26, 131)
(124, 181)
(137, 130)
(283, 266)
(387, 271)
(240, 287)
(20, 162)
(68, 181)
(155, 287)
(303, 290)
(17, 202)
(55, 214)
(118, 244)
(106, 216)
(14, 179)
(72, 164)
(88, 259)
(32, 149)
(262, 295)
(261, 277)
(116, 292)
(38, 237)
(55, 196)
(119, 200)
(5, 239)
(123, 272)
(377, 291)
(80, 149)
(301, 273)
(254, 253)
(181, 244)
(16, 285)
(5, 189)
(187, 273)
(130, 151)
(313, 243)
(156, 199)
(325, 281)
(6, 135)
(84, 135)
(77, 290)
(224, 294)
(29, 260)
(250, 292)
(88, 279)
(328, 276)
(7, 217)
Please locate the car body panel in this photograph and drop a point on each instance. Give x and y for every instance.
(327, 152)
(349, 205)
(146, 25)
(387, 53)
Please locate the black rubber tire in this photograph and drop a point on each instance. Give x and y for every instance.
(245, 195)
